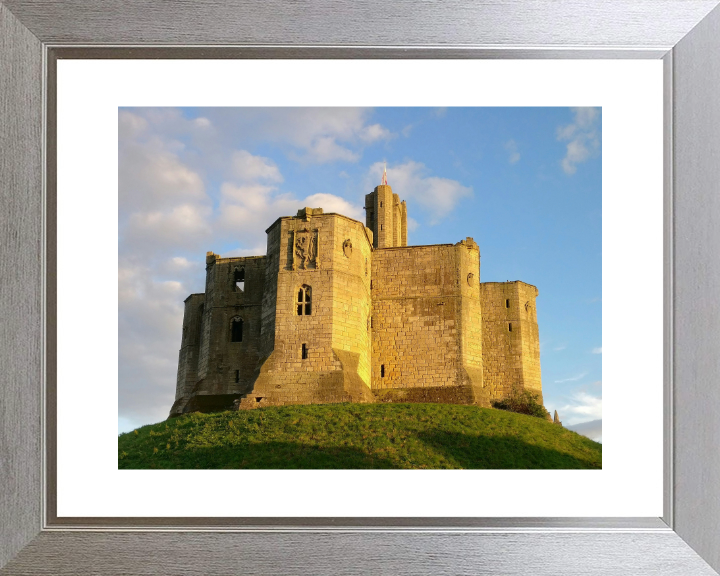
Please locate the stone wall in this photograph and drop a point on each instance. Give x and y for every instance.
(511, 344)
(231, 367)
(530, 338)
(272, 269)
(470, 318)
(351, 268)
(415, 312)
(187, 374)
(426, 323)
(312, 260)
(204, 360)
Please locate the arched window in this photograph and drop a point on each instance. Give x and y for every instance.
(239, 279)
(236, 329)
(304, 301)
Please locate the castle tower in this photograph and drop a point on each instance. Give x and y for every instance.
(386, 216)
(316, 320)
(511, 344)
(187, 374)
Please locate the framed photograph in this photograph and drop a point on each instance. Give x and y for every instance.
(142, 525)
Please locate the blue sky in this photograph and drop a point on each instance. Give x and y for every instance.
(525, 183)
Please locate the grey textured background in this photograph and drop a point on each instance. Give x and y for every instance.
(650, 25)
(696, 104)
(636, 23)
(348, 553)
(20, 283)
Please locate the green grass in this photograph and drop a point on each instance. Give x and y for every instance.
(352, 436)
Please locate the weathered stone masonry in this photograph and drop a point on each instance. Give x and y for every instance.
(342, 312)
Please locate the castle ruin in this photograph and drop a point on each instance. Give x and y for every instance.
(338, 311)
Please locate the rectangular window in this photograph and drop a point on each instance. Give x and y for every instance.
(304, 351)
(382, 370)
(507, 303)
(510, 327)
(237, 376)
(236, 330)
(304, 301)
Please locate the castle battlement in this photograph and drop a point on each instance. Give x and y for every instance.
(341, 311)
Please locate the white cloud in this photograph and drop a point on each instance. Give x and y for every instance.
(251, 195)
(412, 224)
(257, 250)
(325, 149)
(512, 149)
(572, 378)
(247, 167)
(580, 408)
(374, 133)
(411, 182)
(560, 348)
(247, 211)
(180, 227)
(597, 350)
(583, 138)
(591, 429)
(314, 135)
(130, 125)
(163, 203)
(151, 175)
(149, 339)
(332, 203)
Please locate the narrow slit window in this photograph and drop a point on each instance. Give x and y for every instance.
(239, 279)
(507, 303)
(510, 327)
(382, 370)
(304, 301)
(236, 330)
(304, 351)
(237, 376)
(381, 204)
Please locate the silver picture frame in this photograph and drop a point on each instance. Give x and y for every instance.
(685, 34)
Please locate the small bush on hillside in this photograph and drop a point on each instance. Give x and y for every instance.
(522, 402)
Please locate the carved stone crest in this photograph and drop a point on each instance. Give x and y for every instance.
(470, 277)
(347, 248)
(305, 248)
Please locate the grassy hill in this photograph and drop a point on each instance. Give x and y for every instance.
(351, 436)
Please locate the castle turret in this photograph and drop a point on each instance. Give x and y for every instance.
(318, 312)
(386, 216)
(511, 345)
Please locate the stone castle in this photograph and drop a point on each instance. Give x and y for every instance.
(338, 311)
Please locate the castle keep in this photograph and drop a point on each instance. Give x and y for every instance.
(338, 311)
